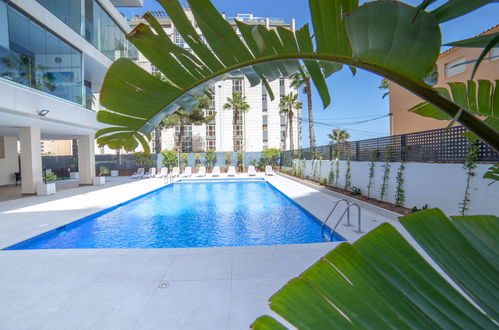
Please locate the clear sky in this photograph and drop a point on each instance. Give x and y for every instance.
(356, 98)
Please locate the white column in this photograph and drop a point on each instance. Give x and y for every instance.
(86, 159)
(31, 159)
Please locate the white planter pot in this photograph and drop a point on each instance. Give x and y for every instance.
(45, 189)
(114, 173)
(99, 180)
(74, 175)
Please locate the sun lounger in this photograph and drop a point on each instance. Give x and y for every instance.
(151, 173)
(187, 172)
(175, 172)
(269, 170)
(251, 170)
(202, 171)
(215, 171)
(162, 173)
(139, 174)
(231, 171)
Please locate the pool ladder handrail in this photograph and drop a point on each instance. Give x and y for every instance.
(168, 179)
(331, 213)
(347, 211)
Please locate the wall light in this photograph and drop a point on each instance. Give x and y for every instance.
(43, 113)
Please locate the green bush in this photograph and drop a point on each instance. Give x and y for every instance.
(228, 159)
(270, 156)
(49, 177)
(143, 160)
(210, 158)
(170, 158)
(185, 162)
(103, 170)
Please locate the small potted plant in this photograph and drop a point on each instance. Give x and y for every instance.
(101, 179)
(47, 187)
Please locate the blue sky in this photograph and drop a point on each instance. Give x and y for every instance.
(356, 98)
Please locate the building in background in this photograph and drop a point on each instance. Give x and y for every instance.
(53, 58)
(260, 128)
(454, 65)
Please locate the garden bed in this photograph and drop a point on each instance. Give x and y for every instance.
(376, 202)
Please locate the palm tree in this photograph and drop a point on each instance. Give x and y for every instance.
(237, 103)
(287, 105)
(384, 86)
(338, 136)
(182, 118)
(298, 80)
(204, 103)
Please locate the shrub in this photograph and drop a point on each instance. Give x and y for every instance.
(170, 158)
(185, 161)
(143, 160)
(103, 170)
(270, 156)
(355, 191)
(49, 177)
(210, 158)
(228, 159)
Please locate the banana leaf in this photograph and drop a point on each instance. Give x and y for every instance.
(389, 38)
(381, 281)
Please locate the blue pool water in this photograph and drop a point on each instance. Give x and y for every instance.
(191, 214)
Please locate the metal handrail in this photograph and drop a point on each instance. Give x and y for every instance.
(359, 229)
(334, 208)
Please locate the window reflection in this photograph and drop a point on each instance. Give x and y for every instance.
(94, 24)
(34, 57)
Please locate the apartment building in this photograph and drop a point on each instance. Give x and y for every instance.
(454, 65)
(261, 127)
(53, 58)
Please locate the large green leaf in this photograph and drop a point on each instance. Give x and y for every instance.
(457, 256)
(384, 37)
(455, 8)
(482, 232)
(492, 173)
(482, 100)
(382, 282)
(398, 41)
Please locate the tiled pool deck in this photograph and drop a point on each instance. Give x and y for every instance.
(192, 288)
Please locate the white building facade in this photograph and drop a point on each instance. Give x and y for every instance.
(53, 58)
(261, 127)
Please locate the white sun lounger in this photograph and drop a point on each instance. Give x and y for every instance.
(162, 173)
(231, 171)
(202, 171)
(251, 170)
(269, 170)
(215, 171)
(151, 173)
(139, 174)
(175, 172)
(187, 172)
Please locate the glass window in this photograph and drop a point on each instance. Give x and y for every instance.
(494, 54)
(211, 145)
(4, 41)
(68, 11)
(282, 86)
(455, 67)
(210, 131)
(38, 59)
(237, 86)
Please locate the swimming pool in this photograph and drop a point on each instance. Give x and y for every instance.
(191, 213)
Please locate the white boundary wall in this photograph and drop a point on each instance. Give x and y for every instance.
(436, 184)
